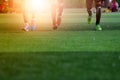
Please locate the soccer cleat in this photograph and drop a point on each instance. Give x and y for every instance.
(26, 28)
(98, 27)
(89, 19)
(55, 27)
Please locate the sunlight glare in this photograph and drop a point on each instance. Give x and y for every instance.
(38, 4)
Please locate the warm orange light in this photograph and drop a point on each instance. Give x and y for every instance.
(38, 5)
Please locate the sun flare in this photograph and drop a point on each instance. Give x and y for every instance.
(38, 4)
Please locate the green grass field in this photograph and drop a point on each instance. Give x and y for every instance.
(76, 51)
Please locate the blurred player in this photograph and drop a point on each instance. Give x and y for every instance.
(98, 4)
(28, 12)
(57, 10)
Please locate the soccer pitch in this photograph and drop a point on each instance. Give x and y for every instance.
(74, 51)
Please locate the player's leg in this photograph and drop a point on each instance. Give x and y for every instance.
(98, 14)
(53, 14)
(26, 22)
(33, 22)
(89, 4)
(60, 11)
(25, 15)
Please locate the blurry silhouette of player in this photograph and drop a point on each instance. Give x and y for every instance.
(56, 12)
(98, 4)
(28, 13)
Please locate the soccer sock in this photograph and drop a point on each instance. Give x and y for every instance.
(98, 15)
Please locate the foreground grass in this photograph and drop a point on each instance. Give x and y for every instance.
(74, 51)
(60, 66)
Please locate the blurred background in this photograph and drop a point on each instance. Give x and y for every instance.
(15, 6)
